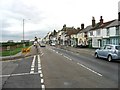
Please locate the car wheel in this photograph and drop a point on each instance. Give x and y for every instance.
(109, 58)
(96, 55)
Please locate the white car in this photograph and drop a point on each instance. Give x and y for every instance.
(52, 44)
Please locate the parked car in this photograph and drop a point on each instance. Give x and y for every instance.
(110, 52)
(52, 44)
(42, 45)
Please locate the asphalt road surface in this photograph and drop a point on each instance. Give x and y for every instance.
(56, 68)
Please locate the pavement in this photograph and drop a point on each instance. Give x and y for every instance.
(87, 51)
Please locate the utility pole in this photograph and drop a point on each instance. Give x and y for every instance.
(23, 29)
(23, 34)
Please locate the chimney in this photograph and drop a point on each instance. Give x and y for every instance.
(78, 28)
(64, 26)
(118, 16)
(82, 26)
(93, 21)
(101, 20)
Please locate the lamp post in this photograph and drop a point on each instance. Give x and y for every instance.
(23, 29)
(24, 32)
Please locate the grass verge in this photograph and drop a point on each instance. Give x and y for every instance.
(11, 52)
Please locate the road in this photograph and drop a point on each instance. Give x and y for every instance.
(57, 68)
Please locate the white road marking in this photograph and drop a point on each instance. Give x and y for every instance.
(11, 60)
(42, 81)
(39, 65)
(70, 59)
(43, 87)
(19, 74)
(40, 72)
(39, 68)
(31, 72)
(33, 64)
(67, 58)
(89, 69)
(32, 69)
(41, 75)
(42, 54)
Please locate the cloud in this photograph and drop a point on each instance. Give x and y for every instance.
(15, 11)
(16, 36)
(47, 15)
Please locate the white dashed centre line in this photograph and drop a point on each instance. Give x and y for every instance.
(43, 87)
(89, 69)
(41, 75)
(33, 64)
(42, 81)
(40, 72)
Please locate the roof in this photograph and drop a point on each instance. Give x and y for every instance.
(67, 28)
(98, 25)
(70, 31)
(115, 23)
(86, 29)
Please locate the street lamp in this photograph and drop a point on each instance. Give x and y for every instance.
(23, 29)
(23, 32)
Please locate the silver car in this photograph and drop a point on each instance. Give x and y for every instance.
(110, 52)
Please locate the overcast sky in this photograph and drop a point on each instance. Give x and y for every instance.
(42, 16)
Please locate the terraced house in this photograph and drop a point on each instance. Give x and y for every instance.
(112, 33)
(98, 33)
(94, 35)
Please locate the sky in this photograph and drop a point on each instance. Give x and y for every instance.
(43, 16)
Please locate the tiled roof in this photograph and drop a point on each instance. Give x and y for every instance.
(115, 23)
(98, 25)
(86, 29)
(70, 31)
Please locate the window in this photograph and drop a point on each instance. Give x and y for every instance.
(98, 32)
(117, 30)
(91, 33)
(108, 32)
(108, 47)
(117, 47)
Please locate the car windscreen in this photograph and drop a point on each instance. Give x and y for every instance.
(117, 47)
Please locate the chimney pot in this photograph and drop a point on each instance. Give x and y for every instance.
(82, 26)
(101, 20)
(93, 21)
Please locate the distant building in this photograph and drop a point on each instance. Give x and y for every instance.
(10, 41)
(25, 41)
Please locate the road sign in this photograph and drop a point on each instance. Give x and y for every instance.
(26, 50)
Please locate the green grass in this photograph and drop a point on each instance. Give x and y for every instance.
(11, 52)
